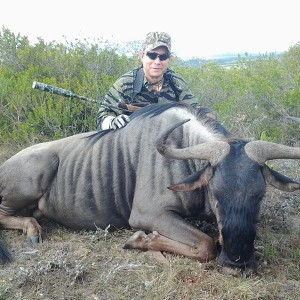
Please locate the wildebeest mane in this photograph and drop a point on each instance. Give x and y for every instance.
(201, 113)
(156, 109)
(150, 110)
(99, 134)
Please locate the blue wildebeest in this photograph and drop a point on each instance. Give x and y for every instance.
(168, 164)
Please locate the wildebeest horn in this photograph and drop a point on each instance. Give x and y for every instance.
(211, 151)
(261, 151)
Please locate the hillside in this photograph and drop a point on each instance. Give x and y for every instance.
(225, 59)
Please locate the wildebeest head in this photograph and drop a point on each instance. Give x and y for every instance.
(235, 182)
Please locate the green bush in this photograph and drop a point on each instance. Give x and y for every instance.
(252, 98)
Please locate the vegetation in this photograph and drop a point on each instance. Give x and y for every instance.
(252, 98)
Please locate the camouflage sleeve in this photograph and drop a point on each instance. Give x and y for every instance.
(108, 106)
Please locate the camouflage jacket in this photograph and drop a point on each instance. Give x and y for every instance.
(122, 92)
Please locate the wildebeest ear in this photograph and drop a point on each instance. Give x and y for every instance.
(280, 181)
(194, 181)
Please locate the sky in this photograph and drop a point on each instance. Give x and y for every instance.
(199, 28)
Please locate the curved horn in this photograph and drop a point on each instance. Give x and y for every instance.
(214, 152)
(261, 151)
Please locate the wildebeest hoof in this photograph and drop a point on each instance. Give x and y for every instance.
(35, 240)
(238, 272)
(135, 241)
(158, 256)
(249, 272)
(231, 271)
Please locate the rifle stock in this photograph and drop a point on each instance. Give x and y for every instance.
(69, 94)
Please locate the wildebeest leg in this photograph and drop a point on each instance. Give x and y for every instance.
(24, 179)
(29, 226)
(176, 235)
(154, 241)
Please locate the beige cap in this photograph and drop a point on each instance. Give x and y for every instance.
(157, 39)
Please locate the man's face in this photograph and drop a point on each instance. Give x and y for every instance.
(155, 66)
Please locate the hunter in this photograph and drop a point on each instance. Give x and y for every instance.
(154, 82)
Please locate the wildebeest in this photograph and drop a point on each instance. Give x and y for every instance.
(170, 163)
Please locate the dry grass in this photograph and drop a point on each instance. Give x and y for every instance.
(92, 264)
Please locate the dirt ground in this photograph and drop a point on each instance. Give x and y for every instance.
(93, 265)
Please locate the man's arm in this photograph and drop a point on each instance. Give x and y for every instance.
(108, 109)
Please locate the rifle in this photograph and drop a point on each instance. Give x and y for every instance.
(69, 94)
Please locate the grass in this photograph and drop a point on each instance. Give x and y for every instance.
(92, 265)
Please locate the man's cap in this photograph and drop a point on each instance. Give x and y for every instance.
(157, 39)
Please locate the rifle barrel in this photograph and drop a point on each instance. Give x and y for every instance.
(59, 91)
(66, 93)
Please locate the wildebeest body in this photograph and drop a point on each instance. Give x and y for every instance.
(90, 180)
(118, 178)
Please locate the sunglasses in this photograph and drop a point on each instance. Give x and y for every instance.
(154, 56)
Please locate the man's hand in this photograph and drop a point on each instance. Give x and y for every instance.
(119, 121)
(111, 122)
